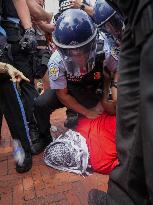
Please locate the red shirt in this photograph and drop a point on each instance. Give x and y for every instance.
(100, 138)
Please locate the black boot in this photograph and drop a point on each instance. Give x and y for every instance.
(97, 197)
(72, 119)
(36, 141)
(47, 139)
(27, 164)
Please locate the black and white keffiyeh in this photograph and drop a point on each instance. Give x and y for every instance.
(69, 152)
(65, 5)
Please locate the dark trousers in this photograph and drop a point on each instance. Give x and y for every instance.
(131, 183)
(24, 62)
(45, 104)
(9, 106)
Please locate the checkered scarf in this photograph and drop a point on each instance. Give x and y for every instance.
(69, 152)
(65, 5)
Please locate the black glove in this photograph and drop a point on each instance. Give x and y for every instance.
(28, 42)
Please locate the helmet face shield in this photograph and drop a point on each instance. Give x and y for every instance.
(79, 60)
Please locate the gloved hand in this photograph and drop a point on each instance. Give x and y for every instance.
(28, 41)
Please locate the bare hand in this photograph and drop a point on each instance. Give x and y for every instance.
(92, 114)
(74, 4)
(15, 74)
(109, 107)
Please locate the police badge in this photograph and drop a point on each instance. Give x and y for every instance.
(54, 72)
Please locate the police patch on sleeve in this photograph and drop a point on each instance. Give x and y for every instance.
(54, 73)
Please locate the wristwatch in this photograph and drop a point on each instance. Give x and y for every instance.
(82, 6)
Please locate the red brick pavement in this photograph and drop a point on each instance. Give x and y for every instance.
(42, 185)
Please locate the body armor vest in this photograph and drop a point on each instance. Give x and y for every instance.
(94, 77)
(88, 89)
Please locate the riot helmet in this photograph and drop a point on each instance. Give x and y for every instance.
(108, 19)
(75, 38)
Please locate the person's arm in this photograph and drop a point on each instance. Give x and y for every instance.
(78, 4)
(45, 80)
(88, 9)
(28, 41)
(23, 13)
(109, 106)
(37, 12)
(46, 27)
(114, 87)
(73, 104)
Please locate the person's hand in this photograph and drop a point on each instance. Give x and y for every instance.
(74, 4)
(28, 42)
(109, 106)
(16, 75)
(92, 114)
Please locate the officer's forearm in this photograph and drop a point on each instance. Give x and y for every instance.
(46, 27)
(37, 12)
(71, 102)
(23, 13)
(106, 88)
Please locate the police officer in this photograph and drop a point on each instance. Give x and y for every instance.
(74, 78)
(26, 21)
(23, 48)
(131, 182)
(110, 24)
(8, 98)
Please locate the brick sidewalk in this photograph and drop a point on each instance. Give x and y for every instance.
(42, 185)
